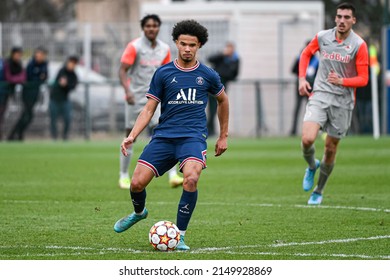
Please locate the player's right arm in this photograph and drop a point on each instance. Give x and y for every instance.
(142, 121)
(124, 83)
(127, 60)
(307, 53)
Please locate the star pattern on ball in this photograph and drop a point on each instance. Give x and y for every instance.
(153, 230)
(164, 239)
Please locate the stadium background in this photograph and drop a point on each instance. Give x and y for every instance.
(59, 200)
(268, 36)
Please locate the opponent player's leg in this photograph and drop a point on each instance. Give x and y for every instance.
(339, 123)
(315, 117)
(175, 180)
(124, 162)
(141, 178)
(191, 172)
(309, 134)
(326, 167)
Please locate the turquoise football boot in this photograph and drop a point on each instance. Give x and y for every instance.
(182, 246)
(308, 179)
(127, 222)
(315, 199)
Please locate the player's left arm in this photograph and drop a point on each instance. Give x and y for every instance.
(142, 121)
(361, 79)
(223, 118)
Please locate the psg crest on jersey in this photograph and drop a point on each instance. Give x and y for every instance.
(199, 81)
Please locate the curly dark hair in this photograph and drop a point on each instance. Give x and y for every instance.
(154, 17)
(192, 28)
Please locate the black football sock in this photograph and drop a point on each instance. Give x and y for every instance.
(138, 200)
(186, 207)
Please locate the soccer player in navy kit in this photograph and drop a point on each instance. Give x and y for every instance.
(182, 88)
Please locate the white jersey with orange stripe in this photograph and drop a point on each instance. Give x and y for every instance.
(339, 57)
(145, 61)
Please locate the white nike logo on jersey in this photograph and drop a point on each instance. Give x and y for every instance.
(174, 80)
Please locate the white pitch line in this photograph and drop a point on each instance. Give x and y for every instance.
(366, 209)
(310, 255)
(344, 208)
(322, 242)
(211, 249)
(75, 248)
(332, 241)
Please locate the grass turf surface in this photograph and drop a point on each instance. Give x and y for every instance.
(60, 201)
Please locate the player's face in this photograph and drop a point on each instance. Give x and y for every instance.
(151, 29)
(344, 21)
(187, 46)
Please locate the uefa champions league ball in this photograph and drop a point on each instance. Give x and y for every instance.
(164, 236)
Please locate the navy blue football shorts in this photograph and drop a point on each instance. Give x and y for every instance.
(161, 154)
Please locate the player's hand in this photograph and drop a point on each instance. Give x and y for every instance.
(130, 98)
(334, 78)
(126, 143)
(221, 146)
(304, 87)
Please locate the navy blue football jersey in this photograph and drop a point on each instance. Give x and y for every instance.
(183, 94)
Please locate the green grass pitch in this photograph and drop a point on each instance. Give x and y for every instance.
(61, 200)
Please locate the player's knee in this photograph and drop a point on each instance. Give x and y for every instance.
(136, 185)
(190, 182)
(307, 140)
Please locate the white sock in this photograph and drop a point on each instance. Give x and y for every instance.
(182, 232)
(139, 214)
(124, 175)
(124, 163)
(172, 172)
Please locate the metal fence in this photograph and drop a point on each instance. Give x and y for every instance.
(98, 107)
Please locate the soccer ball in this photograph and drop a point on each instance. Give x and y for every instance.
(164, 236)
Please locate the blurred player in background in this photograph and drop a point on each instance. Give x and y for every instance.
(140, 59)
(343, 67)
(37, 73)
(182, 87)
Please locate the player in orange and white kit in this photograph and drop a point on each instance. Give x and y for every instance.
(139, 61)
(343, 67)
